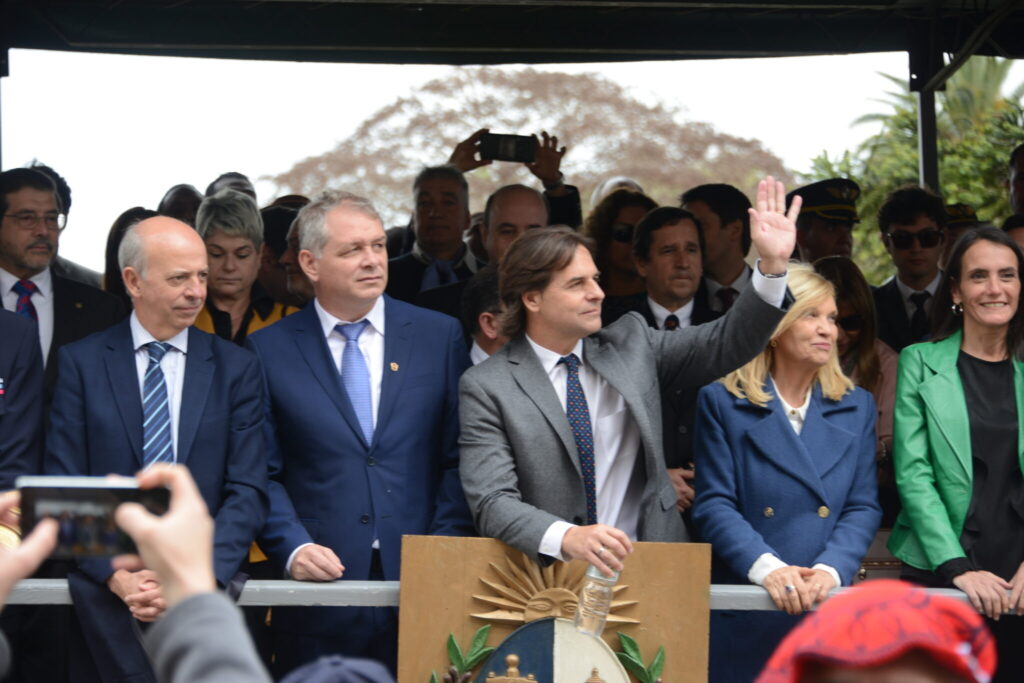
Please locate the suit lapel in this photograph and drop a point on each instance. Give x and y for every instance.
(124, 383)
(943, 394)
(535, 383)
(825, 442)
(309, 338)
(397, 347)
(895, 314)
(199, 369)
(773, 437)
(605, 361)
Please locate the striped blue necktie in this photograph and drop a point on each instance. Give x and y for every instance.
(578, 412)
(356, 377)
(156, 411)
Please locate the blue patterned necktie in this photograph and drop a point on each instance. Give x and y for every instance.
(24, 306)
(356, 377)
(156, 411)
(578, 412)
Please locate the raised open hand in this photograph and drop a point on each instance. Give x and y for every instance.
(547, 163)
(772, 228)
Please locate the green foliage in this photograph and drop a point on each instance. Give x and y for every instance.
(977, 127)
(463, 663)
(633, 660)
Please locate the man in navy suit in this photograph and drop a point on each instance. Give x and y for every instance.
(362, 428)
(149, 390)
(21, 398)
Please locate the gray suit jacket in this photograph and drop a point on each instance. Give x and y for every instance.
(518, 459)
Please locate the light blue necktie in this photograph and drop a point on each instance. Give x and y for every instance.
(156, 411)
(356, 377)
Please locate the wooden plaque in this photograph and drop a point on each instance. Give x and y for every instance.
(668, 584)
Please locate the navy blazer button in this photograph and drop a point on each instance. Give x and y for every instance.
(371, 462)
(769, 512)
(365, 519)
(682, 429)
(824, 512)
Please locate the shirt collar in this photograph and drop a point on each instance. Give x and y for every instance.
(141, 336)
(548, 358)
(906, 291)
(43, 281)
(685, 314)
(328, 322)
(801, 410)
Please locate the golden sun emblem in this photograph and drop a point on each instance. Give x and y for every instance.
(523, 592)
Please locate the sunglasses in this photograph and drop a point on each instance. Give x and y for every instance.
(902, 239)
(622, 232)
(851, 323)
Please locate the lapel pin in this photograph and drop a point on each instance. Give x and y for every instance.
(78, 304)
(394, 367)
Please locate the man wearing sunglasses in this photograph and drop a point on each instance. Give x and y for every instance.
(912, 223)
(65, 310)
(829, 212)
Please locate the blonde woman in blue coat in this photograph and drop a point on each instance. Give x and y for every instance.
(786, 489)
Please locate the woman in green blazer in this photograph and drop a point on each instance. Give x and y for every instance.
(958, 445)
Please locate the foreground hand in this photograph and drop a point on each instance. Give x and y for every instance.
(19, 563)
(178, 546)
(547, 163)
(798, 598)
(986, 591)
(316, 563)
(140, 590)
(820, 581)
(681, 478)
(772, 228)
(601, 545)
(1017, 593)
(465, 155)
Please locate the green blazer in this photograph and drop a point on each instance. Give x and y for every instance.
(932, 452)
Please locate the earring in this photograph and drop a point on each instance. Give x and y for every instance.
(773, 343)
(957, 308)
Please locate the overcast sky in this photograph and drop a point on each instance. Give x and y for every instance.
(123, 129)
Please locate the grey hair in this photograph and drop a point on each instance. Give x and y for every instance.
(311, 223)
(232, 212)
(131, 252)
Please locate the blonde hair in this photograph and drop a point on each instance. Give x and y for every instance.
(809, 289)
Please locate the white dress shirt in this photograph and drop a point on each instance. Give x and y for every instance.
(616, 435)
(371, 344)
(906, 291)
(477, 355)
(42, 300)
(738, 284)
(767, 563)
(172, 365)
(685, 314)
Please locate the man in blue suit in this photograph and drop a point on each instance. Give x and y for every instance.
(149, 390)
(362, 429)
(21, 398)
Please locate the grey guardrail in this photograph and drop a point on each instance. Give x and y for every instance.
(373, 594)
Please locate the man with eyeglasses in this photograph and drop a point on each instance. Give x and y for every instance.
(912, 223)
(825, 225)
(64, 310)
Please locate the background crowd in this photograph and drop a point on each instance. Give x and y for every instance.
(716, 371)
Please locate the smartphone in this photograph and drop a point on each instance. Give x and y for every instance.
(508, 147)
(84, 509)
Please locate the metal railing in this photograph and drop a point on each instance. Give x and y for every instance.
(376, 594)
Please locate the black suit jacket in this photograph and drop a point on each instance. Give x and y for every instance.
(21, 398)
(405, 275)
(893, 323)
(78, 311)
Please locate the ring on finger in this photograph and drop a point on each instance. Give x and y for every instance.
(789, 588)
(599, 551)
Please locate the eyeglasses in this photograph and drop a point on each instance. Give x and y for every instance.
(622, 232)
(851, 323)
(26, 220)
(928, 238)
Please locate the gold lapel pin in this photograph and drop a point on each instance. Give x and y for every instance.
(394, 367)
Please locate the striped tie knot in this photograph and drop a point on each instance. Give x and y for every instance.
(157, 351)
(351, 331)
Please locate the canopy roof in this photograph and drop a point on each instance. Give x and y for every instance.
(504, 31)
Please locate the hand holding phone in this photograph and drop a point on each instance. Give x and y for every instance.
(20, 562)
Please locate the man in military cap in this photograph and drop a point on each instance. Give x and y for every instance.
(825, 225)
(960, 218)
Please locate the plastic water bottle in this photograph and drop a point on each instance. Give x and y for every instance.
(595, 601)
